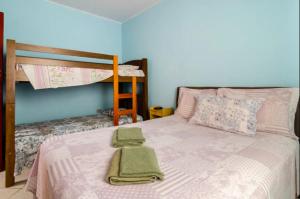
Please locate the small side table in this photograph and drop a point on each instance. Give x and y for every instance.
(159, 113)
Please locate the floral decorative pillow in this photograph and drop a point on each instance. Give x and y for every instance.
(233, 115)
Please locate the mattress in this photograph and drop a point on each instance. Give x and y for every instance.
(198, 162)
(28, 137)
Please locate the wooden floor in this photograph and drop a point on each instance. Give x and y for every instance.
(17, 191)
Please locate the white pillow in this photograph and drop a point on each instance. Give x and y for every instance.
(128, 67)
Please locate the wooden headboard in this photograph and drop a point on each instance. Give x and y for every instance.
(297, 118)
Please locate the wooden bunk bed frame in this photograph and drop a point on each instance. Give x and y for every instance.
(15, 74)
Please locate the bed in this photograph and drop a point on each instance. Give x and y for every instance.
(198, 162)
(28, 137)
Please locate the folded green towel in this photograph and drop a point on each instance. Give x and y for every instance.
(134, 165)
(131, 133)
(127, 137)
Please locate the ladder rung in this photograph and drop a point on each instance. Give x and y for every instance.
(125, 112)
(125, 95)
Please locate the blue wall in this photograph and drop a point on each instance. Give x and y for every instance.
(215, 43)
(188, 42)
(44, 23)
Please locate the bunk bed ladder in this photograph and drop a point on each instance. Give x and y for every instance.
(119, 96)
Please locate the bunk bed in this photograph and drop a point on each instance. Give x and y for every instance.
(132, 104)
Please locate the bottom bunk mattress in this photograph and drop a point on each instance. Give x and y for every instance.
(28, 137)
(198, 162)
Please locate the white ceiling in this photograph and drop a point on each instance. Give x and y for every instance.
(118, 10)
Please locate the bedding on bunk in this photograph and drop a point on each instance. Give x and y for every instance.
(42, 76)
(198, 162)
(28, 137)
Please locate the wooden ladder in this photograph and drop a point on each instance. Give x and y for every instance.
(118, 96)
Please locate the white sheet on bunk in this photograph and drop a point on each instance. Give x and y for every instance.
(42, 76)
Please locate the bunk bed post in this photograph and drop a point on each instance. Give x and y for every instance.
(116, 90)
(10, 113)
(145, 89)
(134, 100)
(1, 91)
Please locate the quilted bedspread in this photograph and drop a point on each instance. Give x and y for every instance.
(198, 162)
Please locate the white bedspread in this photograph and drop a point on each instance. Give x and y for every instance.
(42, 77)
(198, 162)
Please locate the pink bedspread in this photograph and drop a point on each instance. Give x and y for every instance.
(198, 162)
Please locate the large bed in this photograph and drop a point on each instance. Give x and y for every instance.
(198, 162)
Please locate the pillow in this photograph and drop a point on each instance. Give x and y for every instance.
(187, 100)
(233, 115)
(123, 119)
(277, 114)
(128, 67)
(109, 112)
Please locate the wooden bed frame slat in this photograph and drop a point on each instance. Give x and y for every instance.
(10, 113)
(134, 100)
(60, 51)
(125, 95)
(116, 91)
(125, 112)
(58, 62)
(125, 80)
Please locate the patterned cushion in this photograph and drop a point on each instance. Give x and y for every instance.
(233, 115)
(109, 111)
(187, 100)
(123, 119)
(277, 114)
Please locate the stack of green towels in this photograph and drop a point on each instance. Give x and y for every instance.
(133, 163)
(128, 137)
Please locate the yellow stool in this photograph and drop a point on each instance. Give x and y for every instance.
(159, 113)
